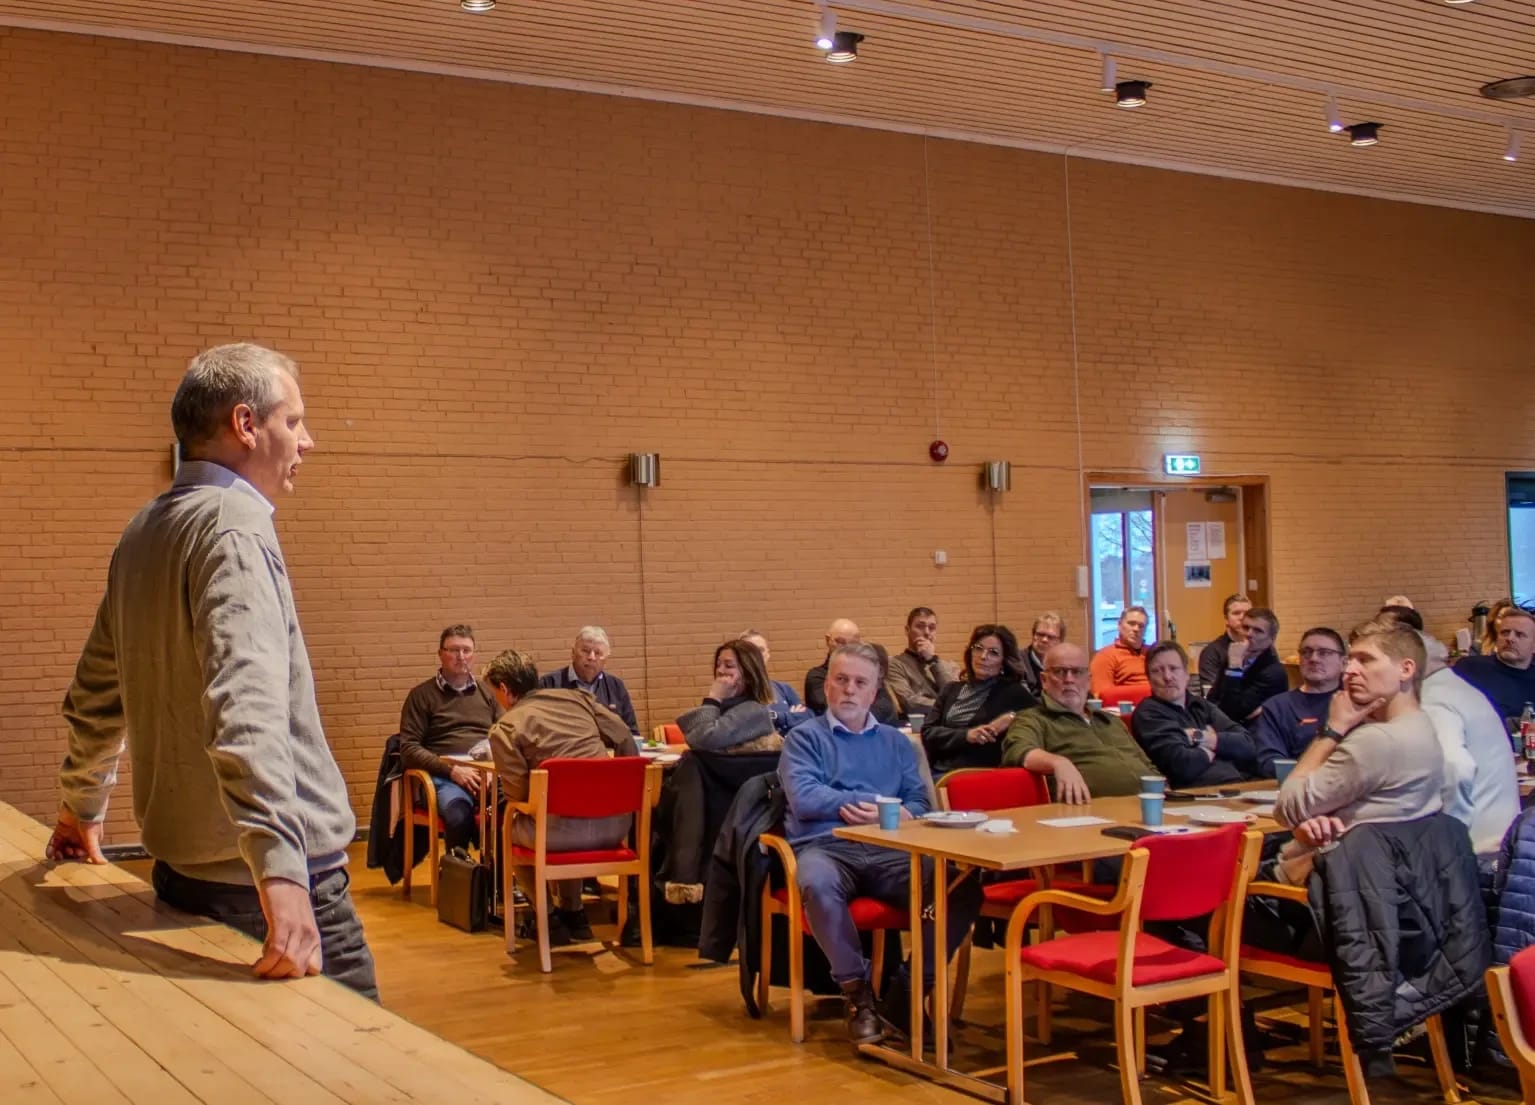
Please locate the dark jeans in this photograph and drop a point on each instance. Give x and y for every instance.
(342, 946)
(460, 813)
(833, 871)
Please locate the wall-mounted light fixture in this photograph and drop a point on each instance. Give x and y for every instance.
(997, 475)
(645, 469)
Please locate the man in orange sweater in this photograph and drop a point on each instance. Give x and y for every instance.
(1123, 663)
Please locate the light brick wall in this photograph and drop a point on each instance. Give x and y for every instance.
(497, 292)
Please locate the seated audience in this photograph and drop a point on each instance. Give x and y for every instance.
(973, 714)
(1192, 743)
(1049, 630)
(834, 766)
(1086, 753)
(588, 672)
(1123, 662)
(449, 715)
(1506, 677)
(788, 710)
(1288, 721)
(1253, 673)
(1487, 645)
(917, 673)
(842, 632)
(1377, 758)
(735, 715)
(1471, 731)
(543, 723)
(1213, 657)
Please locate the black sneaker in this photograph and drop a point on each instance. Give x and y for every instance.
(575, 923)
(559, 935)
(863, 1023)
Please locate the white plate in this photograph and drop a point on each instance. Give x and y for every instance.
(1221, 817)
(954, 819)
(1260, 795)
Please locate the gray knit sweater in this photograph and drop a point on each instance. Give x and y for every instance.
(196, 658)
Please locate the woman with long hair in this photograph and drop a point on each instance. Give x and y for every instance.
(734, 715)
(972, 715)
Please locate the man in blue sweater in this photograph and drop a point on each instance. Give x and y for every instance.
(1507, 677)
(1289, 721)
(834, 767)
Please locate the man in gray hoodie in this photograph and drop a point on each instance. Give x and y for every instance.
(196, 664)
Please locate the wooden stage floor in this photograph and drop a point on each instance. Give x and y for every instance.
(603, 1030)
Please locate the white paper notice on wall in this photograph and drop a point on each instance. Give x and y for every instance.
(1196, 573)
(1196, 539)
(1215, 540)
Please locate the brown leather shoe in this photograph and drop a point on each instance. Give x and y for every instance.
(863, 1023)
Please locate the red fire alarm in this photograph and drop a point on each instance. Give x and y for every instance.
(939, 451)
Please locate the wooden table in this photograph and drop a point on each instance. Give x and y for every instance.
(108, 996)
(1033, 845)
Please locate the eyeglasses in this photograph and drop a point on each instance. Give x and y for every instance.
(457, 651)
(1051, 637)
(1318, 653)
(1067, 673)
(988, 653)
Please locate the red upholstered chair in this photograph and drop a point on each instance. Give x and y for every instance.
(1002, 788)
(1512, 990)
(1317, 979)
(418, 806)
(1163, 878)
(564, 787)
(1113, 696)
(869, 915)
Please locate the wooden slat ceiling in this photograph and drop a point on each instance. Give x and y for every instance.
(990, 70)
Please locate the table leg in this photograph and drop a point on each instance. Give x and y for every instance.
(916, 958)
(940, 961)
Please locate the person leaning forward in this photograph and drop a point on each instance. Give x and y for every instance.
(196, 659)
(1086, 753)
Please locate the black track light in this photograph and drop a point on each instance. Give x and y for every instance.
(844, 47)
(1131, 93)
(1363, 134)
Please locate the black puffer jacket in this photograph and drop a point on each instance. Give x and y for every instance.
(1399, 910)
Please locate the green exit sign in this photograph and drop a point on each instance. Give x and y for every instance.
(1180, 464)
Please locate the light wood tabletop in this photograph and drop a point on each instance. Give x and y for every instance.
(108, 996)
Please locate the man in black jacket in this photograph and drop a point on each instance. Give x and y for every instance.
(1190, 740)
(1253, 673)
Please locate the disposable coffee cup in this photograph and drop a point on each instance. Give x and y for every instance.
(1151, 810)
(914, 722)
(1095, 703)
(1153, 784)
(889, 812)
(1126, 708)
(1282, 769)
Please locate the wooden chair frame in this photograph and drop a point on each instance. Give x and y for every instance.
(412, 817)
(541, 872)
(793, 911)
(1319, 983)
(1514, 1033)
(1220, 987)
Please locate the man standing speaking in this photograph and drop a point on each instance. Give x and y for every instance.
(197, 665)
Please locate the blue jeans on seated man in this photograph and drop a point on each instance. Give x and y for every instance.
(459, 811)
(833, 871)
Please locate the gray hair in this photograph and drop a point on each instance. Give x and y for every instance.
(859, 650)
(220, 379)
(594, 633)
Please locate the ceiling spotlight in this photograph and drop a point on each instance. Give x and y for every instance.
(1457, 3)
(477, 5)
(1510, 88)
(844, 47)
(1131, 93)
(826, 36)
(1334, 119)
(1363, 134)
(1512, 152)
(1109, 79)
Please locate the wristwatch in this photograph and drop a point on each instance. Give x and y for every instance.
(1329, 731)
